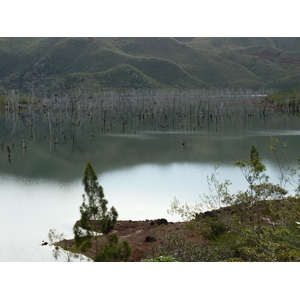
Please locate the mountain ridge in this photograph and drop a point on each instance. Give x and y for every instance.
(49, 64)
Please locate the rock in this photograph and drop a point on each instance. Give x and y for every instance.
(161, 221)
(150, 238)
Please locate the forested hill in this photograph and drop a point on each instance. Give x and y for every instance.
(52, 64)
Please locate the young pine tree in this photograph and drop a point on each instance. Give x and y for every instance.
(94, 208)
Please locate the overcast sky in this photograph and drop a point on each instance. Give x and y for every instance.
(148, 18)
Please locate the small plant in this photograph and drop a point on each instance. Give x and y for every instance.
(60, 249)
(162, 259)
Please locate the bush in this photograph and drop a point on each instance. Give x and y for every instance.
(113, 239)
(86, 245)
(216, 230)
(113, 252)
(162, 259)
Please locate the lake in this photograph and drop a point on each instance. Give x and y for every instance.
(144, 156)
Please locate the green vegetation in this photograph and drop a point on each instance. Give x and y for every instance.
(2, 99)
(61, 249)
(162, 259)
(51, 65)
(114, 251)
(259, 224)
(91, 210)
(286, 97)
(15, 98)
(92, 229)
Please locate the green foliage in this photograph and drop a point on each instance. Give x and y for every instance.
(252, 169)
(80, 236)
(186, 212)
(162, 259)
(216, 230)
(259, 224)
(86, 245)
(285, 97)
(95, 216)
(2, 99)
(176, 246)
(125, 251)
(94, 206)
(56, 240)
(12, 97)
(113, 252)
(269, 252)
(113, 239)
(259, 187)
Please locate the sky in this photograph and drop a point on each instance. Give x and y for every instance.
(148, 18)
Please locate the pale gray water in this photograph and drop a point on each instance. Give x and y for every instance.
(141, 172)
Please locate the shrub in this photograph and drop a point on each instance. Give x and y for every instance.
(113, 252)
(86, 245)
(216, 230)
(162, 259)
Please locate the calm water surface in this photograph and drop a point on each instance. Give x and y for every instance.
(141, 172)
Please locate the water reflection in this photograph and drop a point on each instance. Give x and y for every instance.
(112, 152)
(140, 169)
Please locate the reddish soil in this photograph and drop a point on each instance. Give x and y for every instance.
(136, 233)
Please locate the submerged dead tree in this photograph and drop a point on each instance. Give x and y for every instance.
(69, 117)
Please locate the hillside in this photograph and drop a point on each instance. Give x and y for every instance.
(47, 65)
(275, 60)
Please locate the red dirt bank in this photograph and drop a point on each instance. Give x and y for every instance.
(136, 233)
